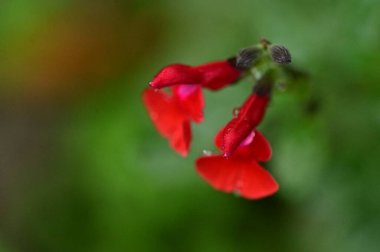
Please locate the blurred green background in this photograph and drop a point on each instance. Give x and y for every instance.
(83, 169)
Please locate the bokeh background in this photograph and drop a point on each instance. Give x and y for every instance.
(83, 169)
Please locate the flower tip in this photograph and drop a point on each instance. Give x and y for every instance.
(183, 155)
(151, 84)
(182, 152)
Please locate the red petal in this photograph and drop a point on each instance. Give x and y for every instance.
(256, 182)
(219, 139)
(246, 105)
(216, 75)
(256, 109)
(176, 74)
(219, 172)
(260, 147)
(191, 99)
(181, 138)
(234, 134)
(253, 109)
(246, 177)
(249, 116)
(169, 119)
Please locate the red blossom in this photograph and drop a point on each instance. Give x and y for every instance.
(213, 75)
(237, 169)
(241, 173)
(174, 99)
(249, 116)
(176, 74)
(172, 112)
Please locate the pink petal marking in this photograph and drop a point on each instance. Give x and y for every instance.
(186, 90)
(248, 139)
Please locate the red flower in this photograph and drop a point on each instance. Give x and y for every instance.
(241, 173)
(214, 75)
(236, 168)
(172, 112)
(249, 116)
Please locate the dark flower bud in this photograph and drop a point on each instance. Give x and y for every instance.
(246, 56)
(280, 54)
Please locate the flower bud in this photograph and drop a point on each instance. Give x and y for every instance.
(246, 57)
(280, 54)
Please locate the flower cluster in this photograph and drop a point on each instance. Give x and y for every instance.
(174, 99)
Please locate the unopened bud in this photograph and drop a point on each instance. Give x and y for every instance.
(246, 56)
(280, 54)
